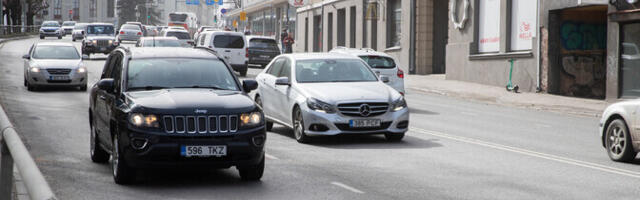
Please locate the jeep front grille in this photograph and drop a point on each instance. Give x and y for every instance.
(103, 43)
(200, 124)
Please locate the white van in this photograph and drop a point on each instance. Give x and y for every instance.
(230, 45)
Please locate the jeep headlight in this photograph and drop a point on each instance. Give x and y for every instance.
(253, 119)
(141, 120)
(320, 106)
(88, 42)
(398, 104)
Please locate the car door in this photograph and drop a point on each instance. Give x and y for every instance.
(283, 93)
(27, 62)
(99, 110)
(266, 88)
(231, 46)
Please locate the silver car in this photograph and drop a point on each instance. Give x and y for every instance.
(79, 31)
(54, 64)
(129, 32)
(330, 94)
(619, 131)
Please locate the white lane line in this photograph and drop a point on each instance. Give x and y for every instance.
(269, 156)
(570, 161)
(342, 185)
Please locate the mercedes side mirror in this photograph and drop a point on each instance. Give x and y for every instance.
(106, 84)
(249, 85)
(283, 81)
(26, 56)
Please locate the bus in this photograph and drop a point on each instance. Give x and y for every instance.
(187, 20)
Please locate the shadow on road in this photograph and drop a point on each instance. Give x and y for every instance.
(48, 89)
(418, 111)
(190, 178)
(361, 141)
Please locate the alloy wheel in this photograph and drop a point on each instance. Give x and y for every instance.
(617, 141)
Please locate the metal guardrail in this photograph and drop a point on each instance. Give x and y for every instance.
(14, 151)
(15, 29)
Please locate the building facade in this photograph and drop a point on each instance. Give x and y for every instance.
(79, 10)
(264, 17)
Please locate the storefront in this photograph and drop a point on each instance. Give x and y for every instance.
(267, 18)
(624, 60)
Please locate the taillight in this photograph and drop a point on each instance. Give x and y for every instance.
(400, 73)
(139, 33)
(121, 32)
(246, 50)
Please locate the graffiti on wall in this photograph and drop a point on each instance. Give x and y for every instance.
(583, 75)
(583, 36)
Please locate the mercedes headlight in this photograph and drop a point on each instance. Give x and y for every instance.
(399, 104)
(35, 70)
(250, 120)
(320, 106)
(140, 120)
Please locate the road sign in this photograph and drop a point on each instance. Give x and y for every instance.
(223, 11)
(372, 11)
(243, 16)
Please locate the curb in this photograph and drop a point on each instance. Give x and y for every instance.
(3, 40)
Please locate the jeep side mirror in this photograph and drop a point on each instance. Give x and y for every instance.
(283, 81)
(249, 85)
(106, 84)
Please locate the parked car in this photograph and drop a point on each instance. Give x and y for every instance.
(129, 32)
(231, 45)
(50, 29)
(78, 31)
(382, 64)
(99, 38)
(262, 50)
(54, 64)
(67, 27)
(329, 94)
(168, 107)
(158, 42)
(182, 35)
(618, 132)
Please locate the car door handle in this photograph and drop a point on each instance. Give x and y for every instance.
(103, 97)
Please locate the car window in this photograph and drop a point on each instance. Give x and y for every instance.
(50, 24)
(179, 35)
(179, 73)
(100, 29)
(202, 38)
(228, 41)
(116, 72)
(79, 26)
(276, 67)
(55, 52)
(161, 43)
(379, 61)
(286, 69)
(130, 27)
(69, 24)
(108, 65)
(263, 43)
(333, 70)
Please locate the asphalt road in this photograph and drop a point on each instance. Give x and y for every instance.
(455, 149)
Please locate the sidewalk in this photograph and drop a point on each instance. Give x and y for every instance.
(436, 84)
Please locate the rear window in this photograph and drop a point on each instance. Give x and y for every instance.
(69, 24)
(179, 35)
(263, 43)
(379, 61)
(130, 27)
(228, 42)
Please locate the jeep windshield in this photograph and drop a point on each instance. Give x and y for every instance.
(100, 30)
(161, 73)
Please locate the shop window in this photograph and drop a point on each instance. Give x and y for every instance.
(489, 26)
(523, 24)
(352, 27)
(330, 32)
(630, 60)
(306, 34)
(342, 33)
(394, 23)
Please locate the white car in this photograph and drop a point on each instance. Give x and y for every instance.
(619, 131)
(329, 94)
(232, 46)
(381, 63)
(67, 27)
(78, 31)
(54, 64)
(182, 35)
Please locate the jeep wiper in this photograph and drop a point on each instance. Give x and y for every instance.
(147, 88)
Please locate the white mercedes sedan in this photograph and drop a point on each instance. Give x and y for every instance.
(620, 130)
(330, 94)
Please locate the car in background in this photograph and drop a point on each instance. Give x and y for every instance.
(232, 46)
(151, 30)
(202, 29)
(67, 27)
(182, 107)
(329, 94)
(159, 42)
(182, 35)
(262, 50)
(129, 32)
(140, 25)
(78, 31)
(382, 64)
(54, 64)
(99, 38)
(618, 132)
(50, 29)
(161, 28)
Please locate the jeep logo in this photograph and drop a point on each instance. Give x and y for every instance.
(198, 111)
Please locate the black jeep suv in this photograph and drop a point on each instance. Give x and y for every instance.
(170, 107)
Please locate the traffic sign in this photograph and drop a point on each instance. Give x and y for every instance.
(243, 16)
(70, 12)
(223, 11)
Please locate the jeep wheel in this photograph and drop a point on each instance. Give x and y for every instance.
(98, 155)
(269, 124)
(42, 37)
(252, 172)
(122, 174)
(394, 137)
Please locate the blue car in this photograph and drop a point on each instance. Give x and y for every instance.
(50, 29)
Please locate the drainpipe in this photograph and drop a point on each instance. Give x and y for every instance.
(412, 38)
(538, 44)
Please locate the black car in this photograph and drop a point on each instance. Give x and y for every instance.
(262, 50)
(99, 38)
(173, 107)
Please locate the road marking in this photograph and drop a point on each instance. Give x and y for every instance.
(269, 156)
(342, 185)
(565, 160)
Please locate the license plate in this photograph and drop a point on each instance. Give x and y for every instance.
(203, 151)
(364, 123)
(58, 78)
(103, 48)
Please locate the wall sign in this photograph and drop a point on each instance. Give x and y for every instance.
(459, 24)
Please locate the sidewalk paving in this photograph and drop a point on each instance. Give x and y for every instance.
(437, 84)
